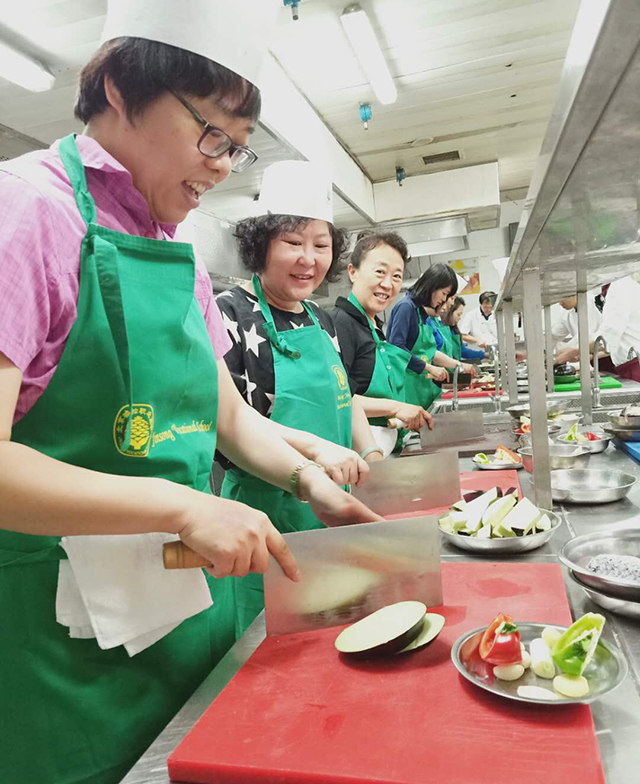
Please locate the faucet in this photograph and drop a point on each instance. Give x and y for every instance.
(497, 395)
(454, 402)
(633, 354)
(599, 341)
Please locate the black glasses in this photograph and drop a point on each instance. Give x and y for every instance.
(214, 142)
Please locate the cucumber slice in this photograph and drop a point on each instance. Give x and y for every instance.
(385, 631)
(431, 628)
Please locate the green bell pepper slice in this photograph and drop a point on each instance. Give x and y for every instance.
(575, 648)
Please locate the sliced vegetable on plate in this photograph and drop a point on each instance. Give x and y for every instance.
(495, 515)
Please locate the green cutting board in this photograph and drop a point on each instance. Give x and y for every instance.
(606, 382)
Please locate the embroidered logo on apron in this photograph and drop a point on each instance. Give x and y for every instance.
(341, 376)
(141, 429)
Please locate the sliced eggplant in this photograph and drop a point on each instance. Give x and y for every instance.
(385, 631)
(471, 496)
(431, 628)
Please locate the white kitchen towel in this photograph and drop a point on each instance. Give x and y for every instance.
(116, 589)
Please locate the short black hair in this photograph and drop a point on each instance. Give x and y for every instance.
(368, 240)
(489, 296)
(144, 70)
(255, 234)
(438, 276)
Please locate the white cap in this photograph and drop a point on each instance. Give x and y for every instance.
(234, 35)
(296, 188)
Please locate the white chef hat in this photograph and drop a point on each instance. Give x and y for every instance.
(232, 34)
(297, 188)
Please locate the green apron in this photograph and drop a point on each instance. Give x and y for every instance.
(311, 394)
(135, 394)
(389, 370)
(452, 345)
(420, 390)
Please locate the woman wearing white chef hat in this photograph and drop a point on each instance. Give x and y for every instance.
(114, 394)
(285, 358)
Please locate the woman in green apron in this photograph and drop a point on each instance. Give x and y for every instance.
(113, 396)
(411, 329)
(454, 346)
(285, 358)
(376, 368)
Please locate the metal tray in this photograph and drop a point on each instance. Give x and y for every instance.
(606, 671)
(587, 486)
(623, 433)
(621, 539)
(494, 547)
(594, 447)
(612, 604)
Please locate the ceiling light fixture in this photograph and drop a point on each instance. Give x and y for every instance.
(367, 49)
(22, 70)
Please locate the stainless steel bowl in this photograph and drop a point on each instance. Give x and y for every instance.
(524, 409)
(611, 603)
(493, 547)
(623, 433)
(594, 447)
(552, 430)
(560, 456)
(626, 422)
(621, 539)
(580, 486)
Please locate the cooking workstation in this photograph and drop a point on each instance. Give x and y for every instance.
(549, 458)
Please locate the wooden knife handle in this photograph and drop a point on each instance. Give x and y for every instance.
(176, 555)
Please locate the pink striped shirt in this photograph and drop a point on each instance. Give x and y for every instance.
(41, 232)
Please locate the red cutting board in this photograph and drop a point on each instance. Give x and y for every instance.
(297, 712)
(465, 393)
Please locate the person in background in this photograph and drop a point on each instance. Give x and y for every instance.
(454, 343)
(480, 323)
(376, 368)
(565, 325)
(410, 329)
(620, 328)
(284, 359)
(114, 394)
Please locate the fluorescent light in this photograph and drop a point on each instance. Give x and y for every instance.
(367, 49)
(22, 70)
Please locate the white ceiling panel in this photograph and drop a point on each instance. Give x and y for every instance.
(476, 76)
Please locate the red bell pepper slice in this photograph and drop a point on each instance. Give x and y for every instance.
(500, 642)
(592, 436)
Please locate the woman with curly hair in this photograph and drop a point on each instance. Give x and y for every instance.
(285, 356)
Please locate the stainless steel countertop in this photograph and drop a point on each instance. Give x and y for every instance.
(616, 716)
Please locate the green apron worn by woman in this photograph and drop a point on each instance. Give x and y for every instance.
(409, 328)
(114, 394)
(377, 369)
(285, 358)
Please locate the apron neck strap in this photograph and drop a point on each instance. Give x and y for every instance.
(356, 304)
(276, 338)
(74, 167)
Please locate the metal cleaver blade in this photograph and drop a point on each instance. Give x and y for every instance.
(399, 487)
(452, 428)
(351, 571)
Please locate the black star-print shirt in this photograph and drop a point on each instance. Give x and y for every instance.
(250, 359)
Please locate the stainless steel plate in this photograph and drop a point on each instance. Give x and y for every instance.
(494, 547)
(524, 409)
(612, 604)
(621, 539)
(593, 446)
(496, 466)
(606, 671)
(587, 486)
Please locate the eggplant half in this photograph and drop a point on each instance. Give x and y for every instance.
(386, 631)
